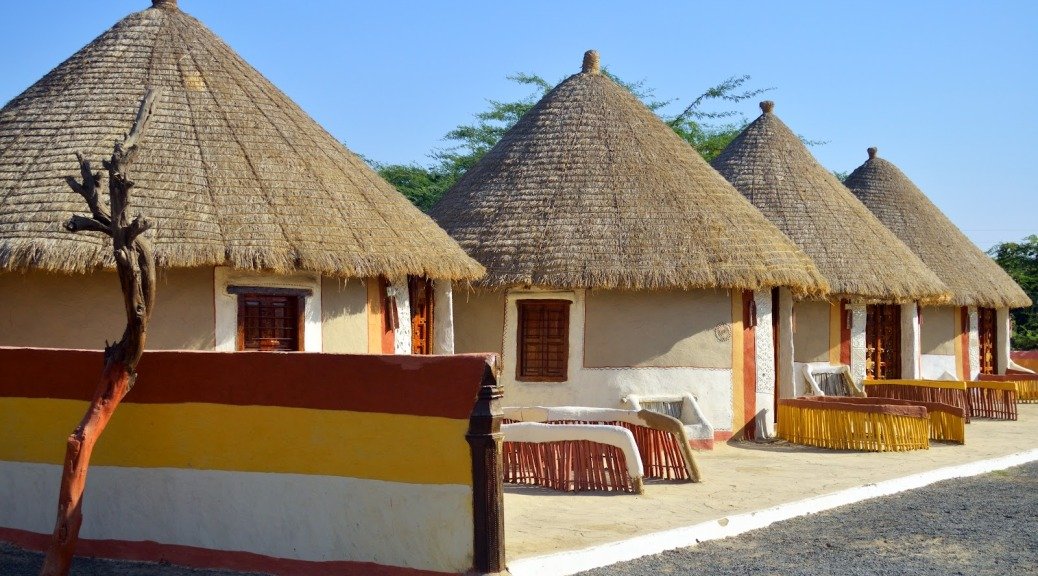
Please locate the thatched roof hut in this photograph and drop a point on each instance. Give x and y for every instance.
(231, 171)
(591, 190)
(860, 258)
(973, 277)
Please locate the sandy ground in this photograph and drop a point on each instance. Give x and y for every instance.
(737, 477)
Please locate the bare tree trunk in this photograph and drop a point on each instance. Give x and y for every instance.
(135, 264)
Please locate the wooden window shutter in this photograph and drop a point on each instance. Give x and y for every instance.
(543, 340)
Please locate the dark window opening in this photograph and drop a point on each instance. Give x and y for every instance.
(543, 340)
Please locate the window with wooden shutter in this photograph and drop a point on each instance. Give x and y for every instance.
(270, 319)
(543, 340)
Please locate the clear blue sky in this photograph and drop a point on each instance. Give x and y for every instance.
(948, 90)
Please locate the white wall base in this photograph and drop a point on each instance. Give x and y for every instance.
(296, 516)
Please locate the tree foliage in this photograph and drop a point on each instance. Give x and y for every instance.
(1020, 260)
(707, 130)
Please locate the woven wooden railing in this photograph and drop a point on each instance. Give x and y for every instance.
(951, 392)
(569, 466)
(992, 399)
(1026, 384)
(947, 422)
(865, 424)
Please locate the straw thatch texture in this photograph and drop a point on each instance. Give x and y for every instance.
(591, 190)
(231, 171)
(973, 277)
(860, 258)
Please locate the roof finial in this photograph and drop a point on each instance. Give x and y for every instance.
(872, 152)
(590, 62)
(767, 106)
(171, 4)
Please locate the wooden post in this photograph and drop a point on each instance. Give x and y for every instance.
(488, 504)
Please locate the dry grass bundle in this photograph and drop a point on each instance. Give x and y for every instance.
(590, 189)
(972, 276)
(231, 171)
(860, 258)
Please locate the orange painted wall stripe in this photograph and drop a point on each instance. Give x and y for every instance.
(738, 389)
(749, 362)
(443, 386)
(391, 447)
(964, 319)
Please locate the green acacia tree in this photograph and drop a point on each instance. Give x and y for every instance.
(1020, 260)
(708, 131)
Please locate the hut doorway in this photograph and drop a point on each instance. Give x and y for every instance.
(420, 289)
(988, 336)
(883, 342)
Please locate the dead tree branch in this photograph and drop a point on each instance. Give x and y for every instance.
(135, 263)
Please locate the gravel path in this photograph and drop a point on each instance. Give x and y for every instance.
(986, 525)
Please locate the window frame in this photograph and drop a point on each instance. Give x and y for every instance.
(300, 294)
(521, 365)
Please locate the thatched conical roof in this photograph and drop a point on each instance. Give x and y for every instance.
(860, 258)
(973, 277)
(230, 170)
(591, 190)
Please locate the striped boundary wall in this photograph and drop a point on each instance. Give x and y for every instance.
(286, 463)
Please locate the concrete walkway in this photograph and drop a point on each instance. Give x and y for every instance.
(744, 483)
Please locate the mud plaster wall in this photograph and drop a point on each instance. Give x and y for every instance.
(344, 325)
(443, 317)
(938, 330)
(479, 321)
(666, 329)
(811, 331)
(605, 387)
(974, 339)
(859, 315)
(765, 361)
(909, 341)
(83, 310)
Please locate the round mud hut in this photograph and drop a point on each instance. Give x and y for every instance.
(969, 335)
(869, 323)
(269, 234)
(621, 269)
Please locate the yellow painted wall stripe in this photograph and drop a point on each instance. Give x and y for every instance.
(396, 448)
(834, 333)
(958, 345)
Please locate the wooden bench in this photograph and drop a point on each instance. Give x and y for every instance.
(572, 457)
(662, 446)
(992, 399)
(846, 423)
(1026, 384)
(951, 392)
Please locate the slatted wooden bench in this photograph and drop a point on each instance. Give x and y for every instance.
(1026, 384)
(662, 444)
(951, 392)
(572, 457)
(845, 423)
(992, 399)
